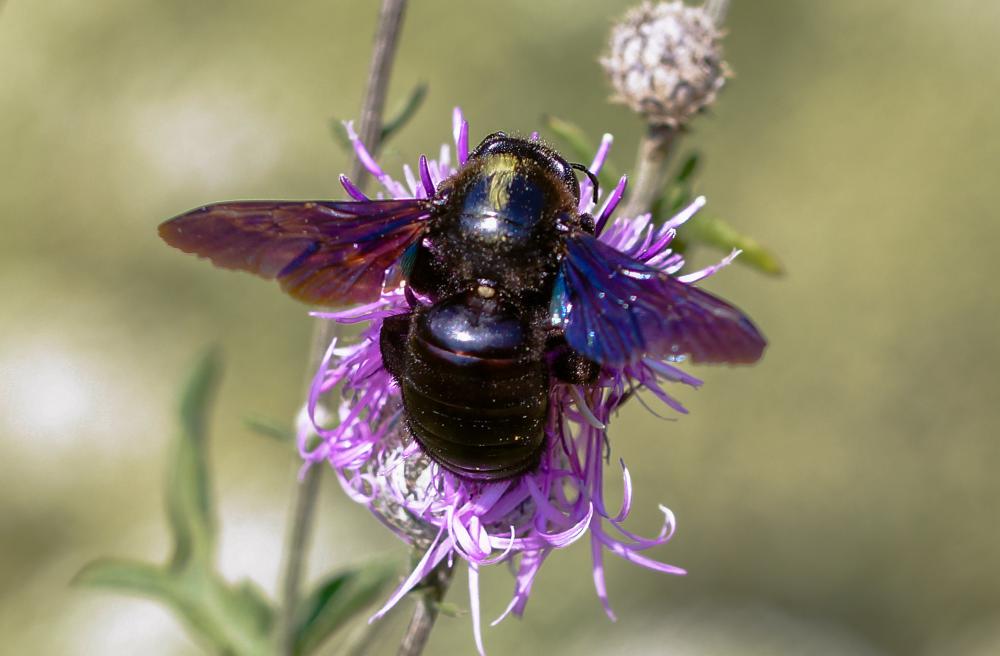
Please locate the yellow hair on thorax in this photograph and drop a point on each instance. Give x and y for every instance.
(500, 170)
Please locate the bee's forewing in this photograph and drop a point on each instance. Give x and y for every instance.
(324, 253)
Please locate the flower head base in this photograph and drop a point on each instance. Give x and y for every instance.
(665, 61)
(523, 519)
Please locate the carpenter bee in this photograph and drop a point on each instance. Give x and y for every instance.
(510, 292)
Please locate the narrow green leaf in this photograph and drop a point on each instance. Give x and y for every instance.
(126, 576)
(360, 640)
(231, 619)
(320, 598)
(675, 197)
(406, 112)
(678, 191)
(276, 430)
(234, 619)
(580, 147)
(188, 494)
(339, 133)
(688, 168)
(449, 609)
(238, 617)
(713, 231)
(250, 602)
(337, 600)
(572, 135)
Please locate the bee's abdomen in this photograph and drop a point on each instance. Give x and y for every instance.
(474, 399)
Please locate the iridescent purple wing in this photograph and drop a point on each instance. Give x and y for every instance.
(323, 253)
(618, 309)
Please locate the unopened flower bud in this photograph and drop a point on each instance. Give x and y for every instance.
(665, 61)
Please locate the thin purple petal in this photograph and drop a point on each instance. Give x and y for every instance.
(685, 214)
(477, 629)
(351, 189)
(361, 151)
(600, 585)
(710, 270)
(425, 177)
(610, 204)
(432, 558)
(460, 130)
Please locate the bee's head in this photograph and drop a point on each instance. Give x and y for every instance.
(500, 143)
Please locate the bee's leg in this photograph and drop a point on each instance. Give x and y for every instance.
(392, 343)
(568, 366)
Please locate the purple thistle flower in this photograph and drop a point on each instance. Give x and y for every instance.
(521, 519)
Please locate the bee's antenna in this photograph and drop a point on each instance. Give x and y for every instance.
(589, 174)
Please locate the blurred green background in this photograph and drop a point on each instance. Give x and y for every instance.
(839, 498)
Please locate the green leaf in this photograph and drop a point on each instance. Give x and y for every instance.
(189, 502)
(234, 620)
(688, 168)
(126, 576)
(678, 191)
(580, 147)
(713, 231)
(231, 619)
(572, 135)
(674, 198)
(250, 602)
(337, 600)
(400, 118)
(339, 133)
(406, 112)
(276, 430)
(449, 609)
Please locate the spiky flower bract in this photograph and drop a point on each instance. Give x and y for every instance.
(521, 520)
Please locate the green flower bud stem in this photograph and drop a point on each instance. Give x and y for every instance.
(428, 599)
(650, 169)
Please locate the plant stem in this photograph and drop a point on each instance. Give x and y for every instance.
(298, 543)
(650, 169)
(386, 38)
(428, 602)
(390, 21)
